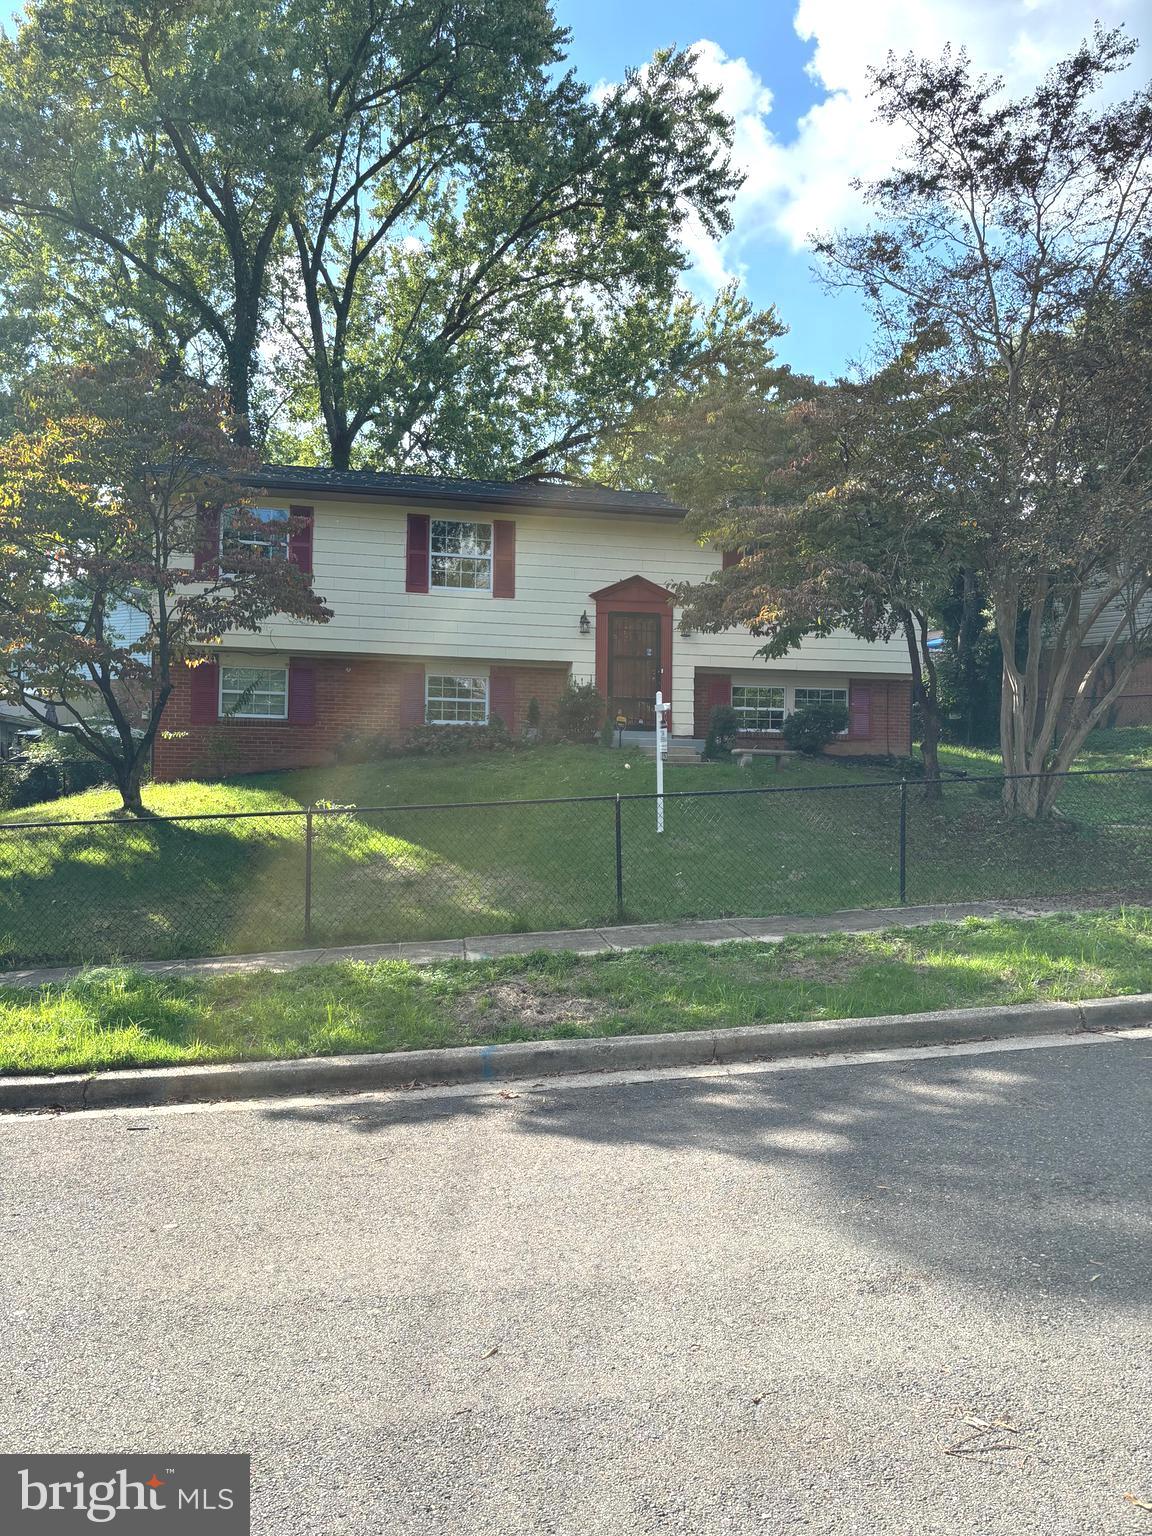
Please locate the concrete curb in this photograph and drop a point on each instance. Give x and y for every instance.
(481, 1064)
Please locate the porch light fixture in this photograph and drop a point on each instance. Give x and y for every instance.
(585, 623)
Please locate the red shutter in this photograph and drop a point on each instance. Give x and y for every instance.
(204, 685)
(301, 693)
(502, 695)
(207, 553)
(719, 692)
(300, 538)
(412, 694)
(416, 571)
(860, 710)
(729, 558)
(503, 559)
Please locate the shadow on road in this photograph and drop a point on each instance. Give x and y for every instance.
(1021, 1170)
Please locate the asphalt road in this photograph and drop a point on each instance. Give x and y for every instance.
(768, 1301)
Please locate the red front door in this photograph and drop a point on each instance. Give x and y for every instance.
(634, 667)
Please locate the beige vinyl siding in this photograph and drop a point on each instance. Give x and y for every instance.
(1106, 623)
(359, 569)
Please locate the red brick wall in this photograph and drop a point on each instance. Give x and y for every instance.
(544, 684)
(890, 719)
(360, 695)
(1134, 705)
(351, 695)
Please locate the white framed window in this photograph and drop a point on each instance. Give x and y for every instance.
(456, 701)
(259, 531)
(806, 696)
(758, 708)
(461, 556)
(254, 693)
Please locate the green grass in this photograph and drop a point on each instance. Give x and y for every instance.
(134, 890)
(122, 1018)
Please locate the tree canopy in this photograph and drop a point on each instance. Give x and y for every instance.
(371, 220)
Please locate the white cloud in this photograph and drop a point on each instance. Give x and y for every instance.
(799, 175)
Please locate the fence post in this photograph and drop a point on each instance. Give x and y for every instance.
(903, 841)
(619, 863)
(308, 877)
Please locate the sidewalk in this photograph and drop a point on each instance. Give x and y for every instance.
(585, 941)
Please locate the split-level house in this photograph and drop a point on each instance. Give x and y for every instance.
(455, 601)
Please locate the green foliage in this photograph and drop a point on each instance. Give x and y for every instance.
(48, 769)
(607, 732)
(455, 740)
(454, 254)
(812, 727)
(101, 474)
(579, 713)
(723, 726)
(1009, 259)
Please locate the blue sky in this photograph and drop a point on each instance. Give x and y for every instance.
(793, 75)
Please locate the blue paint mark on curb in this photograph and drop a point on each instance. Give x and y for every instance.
(487, 1069)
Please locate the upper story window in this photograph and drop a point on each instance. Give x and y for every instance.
(254, 532)
(461, 556)
(759, 708)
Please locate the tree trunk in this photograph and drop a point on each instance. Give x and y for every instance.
(128, 776)
(926, 693)
(929, 747)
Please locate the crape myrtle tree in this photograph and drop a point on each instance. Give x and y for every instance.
(370, 220)
(1016, 235)
(103, 477)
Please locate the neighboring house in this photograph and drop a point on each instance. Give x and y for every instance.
(1134, 705)
(457, 600)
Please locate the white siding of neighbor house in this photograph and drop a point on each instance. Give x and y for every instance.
(359, 570)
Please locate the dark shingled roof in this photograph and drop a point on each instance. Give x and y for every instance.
(445, 488)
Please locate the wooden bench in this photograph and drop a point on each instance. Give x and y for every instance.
(744, 755)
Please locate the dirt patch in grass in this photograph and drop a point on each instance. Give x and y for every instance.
(510, 1004)
(831, 968)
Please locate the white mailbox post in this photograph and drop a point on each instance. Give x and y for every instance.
(661, 748)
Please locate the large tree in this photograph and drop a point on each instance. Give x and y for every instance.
(1015, 240)
(103, 478)
(384, 204)
(823, 495)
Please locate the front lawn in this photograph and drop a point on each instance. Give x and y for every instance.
(123, 1018)
(119, 890)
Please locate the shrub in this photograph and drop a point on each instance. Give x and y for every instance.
(579, 712)
(448, 740)
(532, 718)
(723, 726)
(48, 769)
(812, 727)
(363, 747)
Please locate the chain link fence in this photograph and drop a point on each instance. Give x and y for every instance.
(100, 891)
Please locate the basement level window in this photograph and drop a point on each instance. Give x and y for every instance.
(254, 693)
(456, 701)
(758, 709)
(806, 696)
